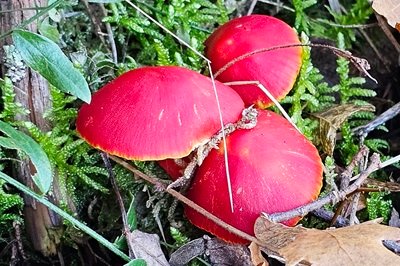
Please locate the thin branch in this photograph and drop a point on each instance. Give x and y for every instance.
(385, 28)
(127, 230)
(277, 5)
(331, 198)
(110, 36)
(252, 6)
(364, 130)
(361, 63)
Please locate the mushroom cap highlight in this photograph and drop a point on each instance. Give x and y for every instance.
(276, 69)
(155, 113)
(273, 168)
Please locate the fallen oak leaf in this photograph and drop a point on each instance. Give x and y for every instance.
(353, 245)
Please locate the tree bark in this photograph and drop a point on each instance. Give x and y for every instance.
(43, 226)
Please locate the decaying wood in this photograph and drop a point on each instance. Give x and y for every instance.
(32, 91)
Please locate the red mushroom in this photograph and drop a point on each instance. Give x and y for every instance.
(276, 69)
(154, 113)
(175, 168)
(273, 168)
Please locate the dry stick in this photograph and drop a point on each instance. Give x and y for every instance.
(252, 6)
(361, 63)
(385, 28)
(346, 176)
(110, 35)
(277, 5)
(328, 216)
(363, 131)
(186, 201)
(332, 197)
(97, 29)
(127, 230)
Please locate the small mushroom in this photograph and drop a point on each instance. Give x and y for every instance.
(155, 113)
(273, 168)
(247, 36)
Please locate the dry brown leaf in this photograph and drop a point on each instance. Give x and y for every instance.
(353, 245)
(331, 120)
(390, 9)
(256, 256)
(147, 247)
(275, 236)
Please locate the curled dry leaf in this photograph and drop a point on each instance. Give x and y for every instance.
(353, 245)
(390, 9)
(331, 120)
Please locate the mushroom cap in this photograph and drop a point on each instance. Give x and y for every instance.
(276, 69)
(175, 169)
(273, 168)
(154, 113)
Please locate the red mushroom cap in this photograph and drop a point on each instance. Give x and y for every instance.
(273, 168)
(175, 169)
(276, 69)
(154, 113)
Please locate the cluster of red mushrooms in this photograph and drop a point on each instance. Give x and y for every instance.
(167, 112)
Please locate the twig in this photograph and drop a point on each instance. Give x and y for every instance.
(364, 130)
(93, 18)
(186, 201)
(252, 6)
(379, 55)
(127, 230)
(385, 28)
(347, 26)
(361, 63)
(278, 5)
(346, 175)
(331, 198)
(110, 36)
(247, 121)
(328, 216)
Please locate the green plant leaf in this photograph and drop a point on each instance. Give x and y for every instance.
(45, 57)
(20, 141)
